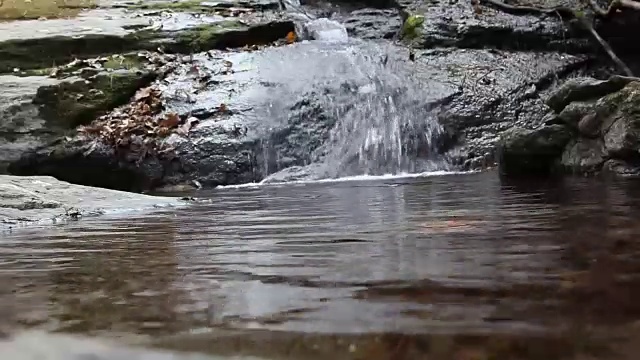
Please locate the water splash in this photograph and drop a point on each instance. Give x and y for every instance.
(376, 110)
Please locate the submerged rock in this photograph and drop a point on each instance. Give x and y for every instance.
(42, 199)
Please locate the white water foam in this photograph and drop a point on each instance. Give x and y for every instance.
(351, 179)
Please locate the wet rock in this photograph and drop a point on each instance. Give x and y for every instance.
(608, 132)
(40, 345)
(589, 125)
(30, 200)
(77, 101)
(617, 167)
(457, 23)
(622, 137)
(532, 152)
(227, 35)
(495, 95)
(573, 113)
(373, 23)
(254, 119)
(110, 31)
(584, 156)
(583, 89)
(21, 126)
(43, 109)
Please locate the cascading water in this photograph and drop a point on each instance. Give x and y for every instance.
(381, 122)
(323, 108)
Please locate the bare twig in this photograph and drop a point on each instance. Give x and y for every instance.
(608, 49)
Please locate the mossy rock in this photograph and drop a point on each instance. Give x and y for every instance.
(532, 152)
(47, 52)
(584, 89)
(412, 27)
(203, 6)
(79, 101)
(228, 34)
(205, 37)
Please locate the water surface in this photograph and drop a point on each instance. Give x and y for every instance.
(466, 258)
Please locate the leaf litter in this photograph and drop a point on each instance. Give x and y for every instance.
(140, 126)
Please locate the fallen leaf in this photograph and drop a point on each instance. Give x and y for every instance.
(291, 37)
(170, 120)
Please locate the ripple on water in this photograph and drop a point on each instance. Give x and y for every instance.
(465, 255)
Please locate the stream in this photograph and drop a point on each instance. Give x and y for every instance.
(296, 270)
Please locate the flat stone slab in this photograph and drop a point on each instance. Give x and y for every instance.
(98, 21)
(43, 346)
(44, 199)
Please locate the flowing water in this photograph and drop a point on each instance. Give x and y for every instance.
(388, 268)
(333, 105)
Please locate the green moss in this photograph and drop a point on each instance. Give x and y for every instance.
(205, 37)
(34, 9)
(123, 62)
(76, 102)
(411, 29)
(58, 50)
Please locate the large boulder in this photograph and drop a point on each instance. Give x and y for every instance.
(526, 152)
(600, 131)
(63, 72)
(439, 98)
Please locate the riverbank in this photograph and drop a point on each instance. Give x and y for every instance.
(43, 200)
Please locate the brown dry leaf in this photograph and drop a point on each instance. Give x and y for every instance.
(170, 120)
(291, 37)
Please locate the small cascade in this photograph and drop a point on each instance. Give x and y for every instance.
(351, 108)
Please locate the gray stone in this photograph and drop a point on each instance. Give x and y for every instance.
(617, 167)
(532, 152)
(589, 125)
(43, 199)
(622, 137)
(21, 127)
(38, 345)
(584, 89)
(574, 112)
(583, 156)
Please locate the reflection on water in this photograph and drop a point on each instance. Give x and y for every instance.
(462, 256)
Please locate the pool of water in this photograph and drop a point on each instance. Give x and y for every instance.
(395, 268)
